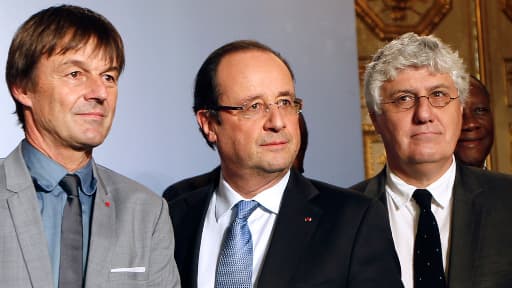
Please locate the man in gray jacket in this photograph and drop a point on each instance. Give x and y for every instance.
(66, 221)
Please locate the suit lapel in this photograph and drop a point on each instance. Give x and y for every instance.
(188, 214)
(376, 187)
(102, 234)
(466, 220)
(27, 220)
(297, 220)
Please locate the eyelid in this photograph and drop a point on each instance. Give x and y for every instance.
(284, 101)
(110, 77)
(249, 106)
(404, 97)
(480, 110)
(442, 92)
(252, 102)
(74, 74)
(404, 93)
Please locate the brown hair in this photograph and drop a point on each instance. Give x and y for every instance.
(57, 30)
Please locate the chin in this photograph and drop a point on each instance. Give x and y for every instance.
(429, 158)
(88, 144)
(275, 169)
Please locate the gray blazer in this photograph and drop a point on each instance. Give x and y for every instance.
(481, 238)
(130, 228)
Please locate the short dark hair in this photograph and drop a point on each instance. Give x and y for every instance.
(299, 159)
(57, 30)
(206, 90)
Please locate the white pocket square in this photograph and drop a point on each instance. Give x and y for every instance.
(129, 269)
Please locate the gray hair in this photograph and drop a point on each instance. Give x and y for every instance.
(412, 50)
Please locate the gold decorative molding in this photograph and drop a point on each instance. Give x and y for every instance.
(508, 81)
(391, 18)
(506, 7)
(374, 153)
(362, 62)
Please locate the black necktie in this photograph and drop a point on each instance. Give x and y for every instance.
(71, 270)
(428, 256)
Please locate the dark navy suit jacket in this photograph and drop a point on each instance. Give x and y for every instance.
(481, 237)
(347, 243)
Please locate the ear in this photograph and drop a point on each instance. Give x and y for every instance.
(206, 125)
(22, 95)
(374, 116)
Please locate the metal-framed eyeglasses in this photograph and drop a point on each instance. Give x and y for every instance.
(407, 101)
(258, 108)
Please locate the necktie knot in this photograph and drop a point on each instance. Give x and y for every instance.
(423, 198)
(244, 209)
(70, 185)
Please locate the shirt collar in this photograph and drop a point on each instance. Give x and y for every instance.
(269, 199)
(46, 173)
(441, 189)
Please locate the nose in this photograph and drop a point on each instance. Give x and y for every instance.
(274, 119)
(97, 90)
(423, 110)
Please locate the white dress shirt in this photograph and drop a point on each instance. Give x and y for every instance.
(220, 215)
(404, 213)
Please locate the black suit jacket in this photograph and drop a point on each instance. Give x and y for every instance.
(347, 243)
(481, 239)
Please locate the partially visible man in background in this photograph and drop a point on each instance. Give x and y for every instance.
(298, 163)
(66, 221)
(477, 134)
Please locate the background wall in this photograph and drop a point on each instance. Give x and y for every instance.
(155, 139)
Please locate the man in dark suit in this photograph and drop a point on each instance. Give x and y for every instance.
(298, 232)
(415, 88)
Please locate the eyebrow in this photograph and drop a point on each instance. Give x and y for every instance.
(413, 91)
(83, 65)
(260, 96)
(286, 93)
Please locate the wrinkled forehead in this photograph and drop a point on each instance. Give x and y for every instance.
(92, 46)
(253, 74)
(394, 72)
(417, 76)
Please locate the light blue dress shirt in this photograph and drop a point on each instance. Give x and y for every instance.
(46, 175)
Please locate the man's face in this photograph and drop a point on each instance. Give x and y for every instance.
(423, 134)
(477, 133)
(72, 100)
(260, 145)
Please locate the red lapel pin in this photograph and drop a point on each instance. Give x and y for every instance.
(308, 219)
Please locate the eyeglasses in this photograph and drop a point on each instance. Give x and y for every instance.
(258, 108)
(405, 102)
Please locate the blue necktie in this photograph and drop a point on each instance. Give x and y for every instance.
(428, 256)
(234, 269)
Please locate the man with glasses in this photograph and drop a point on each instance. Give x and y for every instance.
(253, 221)
(448, 221)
